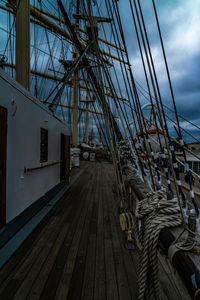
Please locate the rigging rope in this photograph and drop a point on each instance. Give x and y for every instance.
(155, 212)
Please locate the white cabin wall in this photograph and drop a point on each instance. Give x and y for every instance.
(23, 146)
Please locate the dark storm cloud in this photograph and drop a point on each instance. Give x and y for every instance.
(180, 26)
(190, 81)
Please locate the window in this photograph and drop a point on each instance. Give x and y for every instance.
(43, 145)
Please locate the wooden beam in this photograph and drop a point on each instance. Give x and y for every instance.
(79, 29)
(87, 120)
(58, 29)
(46, 13)
(75, 109)
(7, 9)
(105, 93)
(79, 108)
(51, 77)
(37, 73)
(102, 40)
(23, 43)
(52, 26)
(79, 79)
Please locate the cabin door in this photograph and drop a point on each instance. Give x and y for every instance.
(65, 158)
(3, 150)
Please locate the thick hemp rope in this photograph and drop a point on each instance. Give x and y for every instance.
(156, 212)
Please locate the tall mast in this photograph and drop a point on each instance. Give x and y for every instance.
(87, 119)
(75, 92)
(23, 43)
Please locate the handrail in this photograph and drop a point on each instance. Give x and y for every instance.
(41, 166)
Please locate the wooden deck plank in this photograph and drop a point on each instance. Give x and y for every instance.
(25, 249)
(75, 287)
(63, 255)
(126, 275)
(64, 284)
(8, 271)
(88, 282)
(77, 279)
(36, 249)
(128, 265)
(42, 276)
(25, 266)
(77, 251)
(111, 278)
(122, 280)
(100, 283)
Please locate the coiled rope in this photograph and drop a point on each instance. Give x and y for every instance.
(156, 212)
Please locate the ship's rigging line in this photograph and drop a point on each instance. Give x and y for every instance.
(164, 158)
(108, 11)
(176, 114)
(126, 115)
(167, 107)
(106, 76)
(96, 116)
(138, 111)
(49, 48)
(138, 105)
(162, 108)
(9, 36)
(186, 149)
(169, 118)
(154, 114)
(159, 103)
(50, 58)
(113, 25)
(109, 129)
(10, 39)
(174, 140)
(32, 45)
(91, 73)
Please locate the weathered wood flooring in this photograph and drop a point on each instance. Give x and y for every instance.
(77, 251)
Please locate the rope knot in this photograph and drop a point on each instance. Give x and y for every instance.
(155, 213)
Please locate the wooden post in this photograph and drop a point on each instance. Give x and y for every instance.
(75, 91)
(87, 120)
(75, 109)
(23, 43)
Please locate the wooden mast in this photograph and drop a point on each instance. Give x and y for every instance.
(23, 43)
(87, 120)
(75, 109)
(75, 92)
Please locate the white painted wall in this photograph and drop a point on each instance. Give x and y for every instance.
(26, 115)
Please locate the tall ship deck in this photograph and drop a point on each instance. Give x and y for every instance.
(99, 158)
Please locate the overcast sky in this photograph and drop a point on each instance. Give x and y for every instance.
(180, 26)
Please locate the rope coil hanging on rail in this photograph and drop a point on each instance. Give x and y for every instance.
(156, 212)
